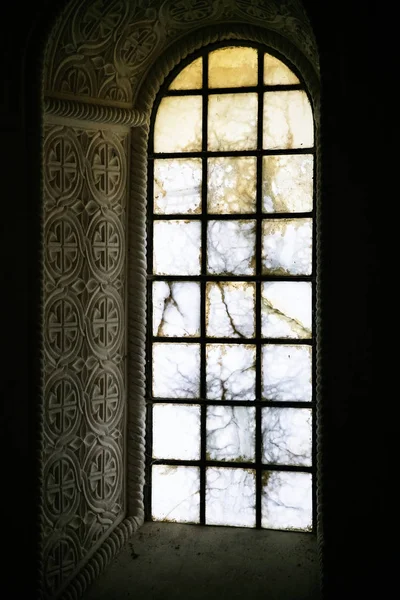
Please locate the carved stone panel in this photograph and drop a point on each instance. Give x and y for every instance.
(84, 344)
(103, 50)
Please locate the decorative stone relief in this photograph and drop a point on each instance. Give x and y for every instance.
(84, 345)
(103, 50)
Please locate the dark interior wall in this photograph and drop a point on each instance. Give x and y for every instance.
(357, 64)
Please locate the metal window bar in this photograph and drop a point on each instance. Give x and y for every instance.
(258, 216)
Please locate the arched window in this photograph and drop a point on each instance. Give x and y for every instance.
(231, 286)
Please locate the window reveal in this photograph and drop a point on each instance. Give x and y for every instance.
(230, 295)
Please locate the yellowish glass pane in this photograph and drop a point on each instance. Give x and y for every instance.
(276, 73)
(232, 122)
(190, 78)
(232, 67)
(178, 124)
(232, 184)
(288, 120)
(287, 184)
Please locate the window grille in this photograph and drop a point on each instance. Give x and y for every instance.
(231, 288)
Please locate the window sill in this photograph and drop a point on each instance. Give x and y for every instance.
(189, 562)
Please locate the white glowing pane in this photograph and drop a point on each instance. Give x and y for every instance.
(232, 185)
(231, 247)
(232, 122)
(277, 73)
(232, 67)
(230, 497)
(231, 433)
(286, 309)
(288, 120)
(287, 436)
(176, 370)
(177, 185)
(287, 246)
(175, 494)
(287, 184)
(176, 308)
(177, 247)
(176, 431)
(230, 309)
(286, 372)
(178, 125)
(190, 78)
(230, 371)
(287, 501)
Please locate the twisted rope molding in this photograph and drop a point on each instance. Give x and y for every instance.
(93, 112)
(101, 559)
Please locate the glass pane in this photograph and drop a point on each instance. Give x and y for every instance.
(176, 247)
(286, 500)
(287, 434)
(230, 309)
(230, 371)
(231, 247)
(177, 185)
(176, 431)
(231, 433)
(286, 309)
(286, 372)
(232, 67)
(190, 78)
(232, 122)
(277, 73)
(287, 247)
(232, 185)
(287, 184)
(176, 308)
(288, 120)
(178, 125)
(175, 494)
(176, 370)
(230, 497)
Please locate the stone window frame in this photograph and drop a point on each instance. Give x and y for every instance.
(138, 118)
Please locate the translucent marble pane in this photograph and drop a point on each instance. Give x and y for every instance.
(286, 309)
(232, 185)
(230, 310)
(230, 497)
(232, 67)
(175, 494)
(287, 183)
(178, 124)
(277, 73)
(286, 501)
(287, 436)
(176, 370)
(288, 120)
(176, 431)
(287, 246)
(230, 371)
(177, 186)
(176, 308)
(177, 247)
(286, 372)
(232, 122)
(231, 433)
(190, 78)
(231, 247)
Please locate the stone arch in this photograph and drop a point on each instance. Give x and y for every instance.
(103, 66)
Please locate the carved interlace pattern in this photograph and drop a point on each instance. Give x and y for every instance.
(105, 49)
(84, 369)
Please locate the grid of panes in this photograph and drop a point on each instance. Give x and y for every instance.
(230, 352)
